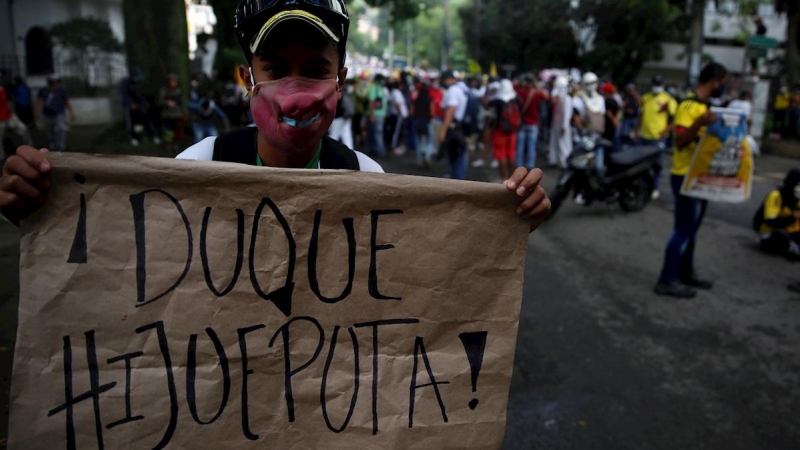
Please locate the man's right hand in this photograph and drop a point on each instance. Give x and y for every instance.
(24, 184)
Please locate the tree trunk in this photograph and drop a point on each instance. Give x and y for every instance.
(696, 41)
(156, 40)
(792, 55)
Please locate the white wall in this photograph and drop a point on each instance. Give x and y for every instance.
(6, 41)
(44, 13)
(675, 57)
(725, 26)
(95, 111)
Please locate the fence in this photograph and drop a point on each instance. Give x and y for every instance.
(96, 75)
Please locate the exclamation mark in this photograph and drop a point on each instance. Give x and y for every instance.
(78, 252)
(474, 345)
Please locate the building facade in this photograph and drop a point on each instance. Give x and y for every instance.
(26, 48)
(724, 31)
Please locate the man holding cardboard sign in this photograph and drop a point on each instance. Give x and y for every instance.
(296, 53)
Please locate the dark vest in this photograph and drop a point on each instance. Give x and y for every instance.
(241, 146)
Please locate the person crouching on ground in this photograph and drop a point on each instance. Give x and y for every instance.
(295, 78)
(778, 220)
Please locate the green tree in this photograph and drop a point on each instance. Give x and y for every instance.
(792, 10)
(157, 40)
(229, 53)
(400, 9)
(83, 36)
(530, 35)
(628, 33)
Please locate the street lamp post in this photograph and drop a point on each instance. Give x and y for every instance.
(478, 31)
(446, 41)
(409, 43)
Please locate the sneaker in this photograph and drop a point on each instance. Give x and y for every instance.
(495, 164)
(400, 151)
(580, 200)
(675, 289)
(478, 163)
(135, 142)
(698, 283)
(655, 195)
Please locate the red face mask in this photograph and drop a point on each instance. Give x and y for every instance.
(293, 113)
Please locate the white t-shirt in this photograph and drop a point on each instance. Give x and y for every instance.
(204, 151)
(456, 95)
(742, 105)
(579, 104)
(399, 101)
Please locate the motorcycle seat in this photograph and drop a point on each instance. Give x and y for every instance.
(605, 143)
(633, 155)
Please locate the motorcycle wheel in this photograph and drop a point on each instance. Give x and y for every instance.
(635, 196)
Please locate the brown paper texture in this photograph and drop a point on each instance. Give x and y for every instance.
(174, 304)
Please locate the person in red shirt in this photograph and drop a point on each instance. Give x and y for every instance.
(9, 121)
(530, 95)
(437, 117)
(505, 120)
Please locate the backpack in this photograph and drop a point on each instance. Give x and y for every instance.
(473, 112)
(511, 117)
(241, 147)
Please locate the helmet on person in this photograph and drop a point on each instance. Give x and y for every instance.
(255, 19)
(561, 82)
(589, 78)
(658, 80)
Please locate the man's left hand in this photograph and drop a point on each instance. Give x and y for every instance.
(535, 206)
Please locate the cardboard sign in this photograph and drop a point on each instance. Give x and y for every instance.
(174, 304)
(722, 167)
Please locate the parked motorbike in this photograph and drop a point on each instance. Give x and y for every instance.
(626, 178)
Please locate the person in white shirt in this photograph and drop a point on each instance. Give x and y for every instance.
(590, 106)
(743, 103)
(401, 111)
(561, 129)
(451, 135)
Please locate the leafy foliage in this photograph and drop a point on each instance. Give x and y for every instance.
(85, 33)
(157, 41)
(400, 9)
(629, 33)
(524, 33)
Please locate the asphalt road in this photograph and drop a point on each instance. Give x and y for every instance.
(603, 363)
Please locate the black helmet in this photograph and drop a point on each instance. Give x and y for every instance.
(658, 80)
(255, 19)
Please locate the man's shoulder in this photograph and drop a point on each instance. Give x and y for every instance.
(368, 164)
(201, 151)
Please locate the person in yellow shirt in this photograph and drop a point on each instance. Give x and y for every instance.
(678, 278)
(657, 111)
(778, 220)
(780, 111)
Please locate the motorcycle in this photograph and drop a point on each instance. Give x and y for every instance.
(627, 176)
